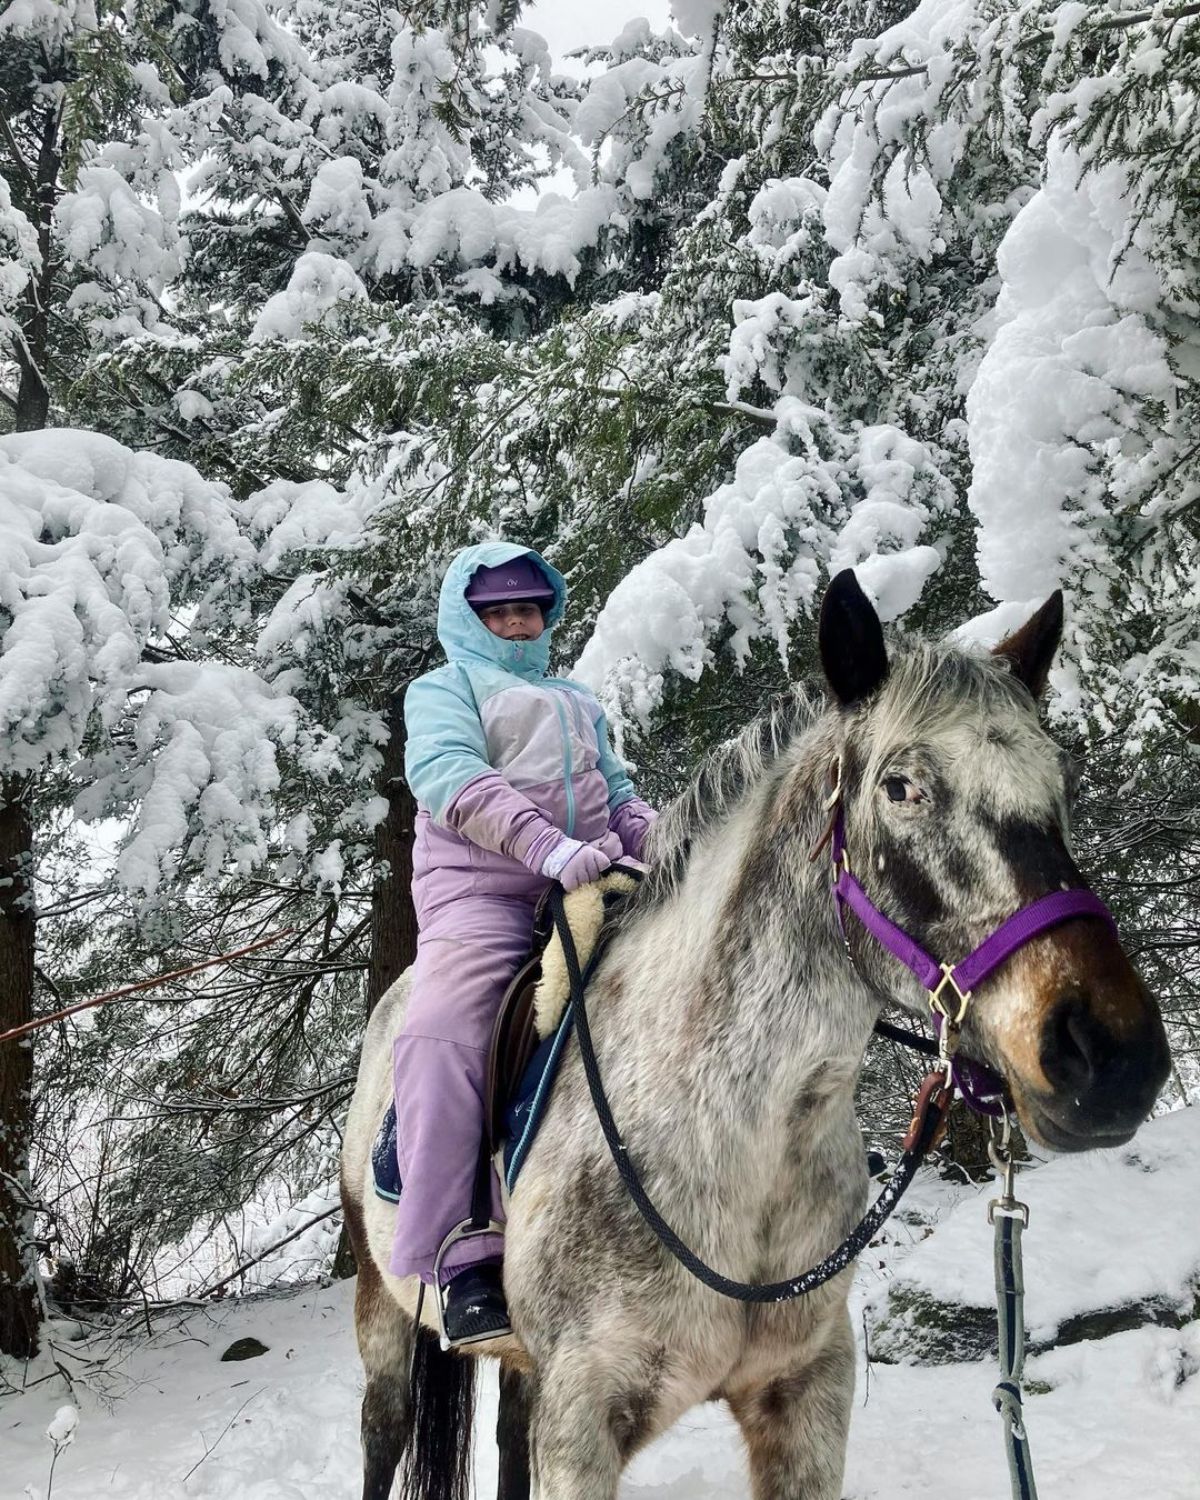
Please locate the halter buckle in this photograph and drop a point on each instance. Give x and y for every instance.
(953, 1022)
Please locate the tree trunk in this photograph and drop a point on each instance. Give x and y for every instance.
(18, 1291)
(393, 920)
(33, 393)
(18, 1300)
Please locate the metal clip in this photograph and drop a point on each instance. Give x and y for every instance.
(1000, 1154)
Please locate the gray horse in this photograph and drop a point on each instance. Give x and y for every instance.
(730, 1023)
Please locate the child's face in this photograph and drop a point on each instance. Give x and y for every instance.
(513, 621)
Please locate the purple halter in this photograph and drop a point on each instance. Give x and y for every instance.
(982, 1088)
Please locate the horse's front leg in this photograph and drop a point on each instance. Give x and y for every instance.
(796, 1423)
(587, 1423)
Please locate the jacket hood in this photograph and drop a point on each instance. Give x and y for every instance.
(463, 634)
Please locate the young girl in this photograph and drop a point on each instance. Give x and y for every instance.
(516, 786)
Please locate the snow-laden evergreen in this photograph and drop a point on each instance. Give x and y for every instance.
(107, 554)
(910, 289)
(951, 237)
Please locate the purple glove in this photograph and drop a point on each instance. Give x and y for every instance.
(492, 813)
(575, 864)
(631, 822)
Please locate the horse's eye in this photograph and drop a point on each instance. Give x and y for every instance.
(896, 788)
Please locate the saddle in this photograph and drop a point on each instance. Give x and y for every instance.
(536, 999)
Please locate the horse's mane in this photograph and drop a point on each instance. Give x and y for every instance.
(724, 777)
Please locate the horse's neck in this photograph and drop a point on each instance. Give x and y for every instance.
(740, 973)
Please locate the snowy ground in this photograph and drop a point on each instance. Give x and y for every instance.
(1113, 1418)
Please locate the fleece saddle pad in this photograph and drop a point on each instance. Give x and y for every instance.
(532, 1029)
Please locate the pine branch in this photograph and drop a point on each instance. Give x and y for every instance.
(269, 1106)
(742, 409)
(719, 408)
(131, 989)
(914, 70)
(1039, 38)
(290, 211)
(210, 1450)
(270, 1250)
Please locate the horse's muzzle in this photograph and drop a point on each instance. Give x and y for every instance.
(1103, 1059)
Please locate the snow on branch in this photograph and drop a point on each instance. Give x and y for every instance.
(753, 566)
(104, 551)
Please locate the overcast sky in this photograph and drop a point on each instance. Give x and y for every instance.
(577, 23)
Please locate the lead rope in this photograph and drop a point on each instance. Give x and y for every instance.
(1010, 1219)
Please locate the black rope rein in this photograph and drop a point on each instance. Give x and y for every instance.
(741, 1291)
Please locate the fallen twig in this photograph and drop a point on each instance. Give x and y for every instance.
(224, 1430)
(270, 1250)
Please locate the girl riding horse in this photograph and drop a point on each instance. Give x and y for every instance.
(516, 787)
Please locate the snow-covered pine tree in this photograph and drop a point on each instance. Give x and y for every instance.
(70, 79)
(1085, 438)
(123, 575)
(964, 307)
(785, 328)
(351, 272)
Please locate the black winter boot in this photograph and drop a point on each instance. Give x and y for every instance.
(475, 1305)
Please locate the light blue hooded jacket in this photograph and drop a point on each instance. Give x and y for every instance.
(502, 759)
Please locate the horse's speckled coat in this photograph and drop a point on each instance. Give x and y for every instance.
(730, 1029)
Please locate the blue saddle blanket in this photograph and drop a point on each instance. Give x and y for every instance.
(385, 1161)
(522, 1117)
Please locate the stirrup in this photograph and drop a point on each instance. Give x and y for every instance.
(467, 1230)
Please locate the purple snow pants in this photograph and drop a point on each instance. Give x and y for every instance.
(469, 949)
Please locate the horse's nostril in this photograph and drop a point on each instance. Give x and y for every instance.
(1102, 1069)
(1075, 1049)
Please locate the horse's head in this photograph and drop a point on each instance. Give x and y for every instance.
(956, 816)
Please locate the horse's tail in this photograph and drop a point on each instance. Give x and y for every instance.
(436, 1461)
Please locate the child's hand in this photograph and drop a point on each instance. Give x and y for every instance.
(575, 864)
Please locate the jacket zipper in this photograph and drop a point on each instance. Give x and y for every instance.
(568, 763)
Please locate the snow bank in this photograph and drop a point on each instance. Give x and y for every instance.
(1108, 1229)
(1102, 1415)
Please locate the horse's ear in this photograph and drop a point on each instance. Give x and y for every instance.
(1031, 649)
(851, 640)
